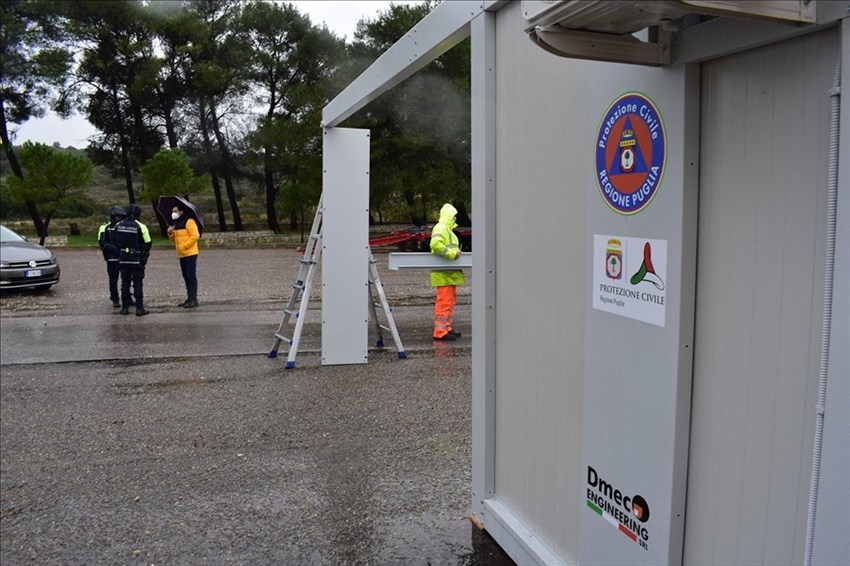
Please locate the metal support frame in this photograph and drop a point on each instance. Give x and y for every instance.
(484, 311)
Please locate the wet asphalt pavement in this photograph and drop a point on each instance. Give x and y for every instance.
(174, 439)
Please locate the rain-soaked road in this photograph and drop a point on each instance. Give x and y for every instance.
(174, 439)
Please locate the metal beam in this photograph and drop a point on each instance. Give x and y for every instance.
(446, 26)
(425, 260)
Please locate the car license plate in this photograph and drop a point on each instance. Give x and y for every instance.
(34, 273)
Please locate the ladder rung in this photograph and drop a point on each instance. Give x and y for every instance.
(290, 312)
(282, 337)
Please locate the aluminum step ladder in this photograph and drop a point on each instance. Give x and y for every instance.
(301, 297)
(376, 288)
(300, 292)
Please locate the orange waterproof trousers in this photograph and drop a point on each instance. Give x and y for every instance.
(444, 310)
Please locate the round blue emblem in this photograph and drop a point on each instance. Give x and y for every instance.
(630, 153)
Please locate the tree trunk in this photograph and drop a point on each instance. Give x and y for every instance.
(40, 228)
(146, 151)
(124, 146)
(219, 204)
(417, 219)
(43, 235)
(208, 148)
(227, 167)
(125, 165)
(271, 191)
(170, 130)
(231, 196)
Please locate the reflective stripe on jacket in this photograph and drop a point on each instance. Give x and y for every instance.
(444, 243)
(106, 241)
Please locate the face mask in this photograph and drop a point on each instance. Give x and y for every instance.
(175, 215)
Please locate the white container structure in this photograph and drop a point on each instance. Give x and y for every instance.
(666, 380)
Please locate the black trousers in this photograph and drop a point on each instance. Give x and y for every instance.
(188, 267)
(132, 272)
(113, 270)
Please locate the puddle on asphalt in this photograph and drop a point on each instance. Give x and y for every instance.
(485, 551)
(443, 350)
(424, 542)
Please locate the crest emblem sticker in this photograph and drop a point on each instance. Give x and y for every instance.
(630, 153)
(614, 259)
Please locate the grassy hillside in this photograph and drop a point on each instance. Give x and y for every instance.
(107, 191)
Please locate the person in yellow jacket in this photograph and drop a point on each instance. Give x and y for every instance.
(185, 235)
(444, 243)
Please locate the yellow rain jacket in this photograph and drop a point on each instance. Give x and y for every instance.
(444, 243)
(185, 237)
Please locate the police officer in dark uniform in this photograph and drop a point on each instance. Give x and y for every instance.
(106, 241)
(134, 244)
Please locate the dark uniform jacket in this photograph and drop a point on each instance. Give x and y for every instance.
(106, 241)
(132, 239)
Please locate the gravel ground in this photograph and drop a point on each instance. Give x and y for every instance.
(174, 457)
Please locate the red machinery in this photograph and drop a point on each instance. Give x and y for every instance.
(417, 238)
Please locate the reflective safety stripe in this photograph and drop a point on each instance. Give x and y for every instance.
(444, 310)
(450, 250)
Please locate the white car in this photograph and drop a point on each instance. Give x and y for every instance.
(24, 263)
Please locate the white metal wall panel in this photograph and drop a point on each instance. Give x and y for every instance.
(345, 247)
(540, 232)
(763, 182)
(636, 395)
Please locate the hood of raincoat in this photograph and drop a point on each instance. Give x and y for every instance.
(117, 213)
(447, 215)
(134, 211)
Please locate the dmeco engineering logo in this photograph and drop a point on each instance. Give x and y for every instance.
(630, 153)
(628, 514)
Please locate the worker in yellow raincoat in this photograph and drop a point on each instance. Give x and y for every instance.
(444, 243)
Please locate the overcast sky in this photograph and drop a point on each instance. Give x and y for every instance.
(341, 17)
